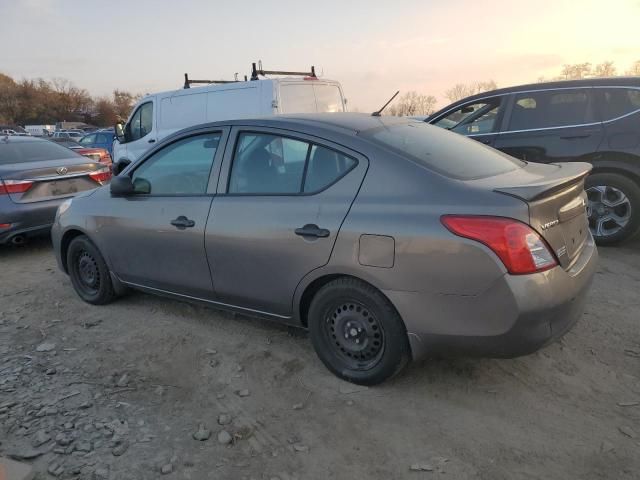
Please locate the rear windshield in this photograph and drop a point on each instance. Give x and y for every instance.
(20, 152)
(447, 153)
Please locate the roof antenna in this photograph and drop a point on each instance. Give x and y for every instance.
(378, 112)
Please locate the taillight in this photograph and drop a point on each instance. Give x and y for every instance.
(519, 247)
(105, 157)
(101, 175)
(14, 186)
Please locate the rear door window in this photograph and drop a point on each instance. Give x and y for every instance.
(619, 102)
(550, 109)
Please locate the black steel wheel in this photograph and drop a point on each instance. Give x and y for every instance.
(357, 333)
(88, 272)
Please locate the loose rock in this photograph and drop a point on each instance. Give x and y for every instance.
(243, 393)
(224, 437)
(40, 438)
(166, 469)
(120, 448)
(123, 381)
(202, 433)
(45, 347)
(83, 447)
(224, 419)
(298, 406)
(421, 467)
(298, 447)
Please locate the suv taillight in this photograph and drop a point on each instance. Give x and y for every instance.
(14, 186)
(519, 247)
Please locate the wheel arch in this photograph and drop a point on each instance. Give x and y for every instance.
(617, 162)
(65, 241)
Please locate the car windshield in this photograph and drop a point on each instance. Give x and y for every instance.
(445, 152)
(21, 152)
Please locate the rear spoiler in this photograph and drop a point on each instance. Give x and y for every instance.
(568, 174)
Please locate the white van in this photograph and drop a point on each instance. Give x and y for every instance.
(158, 115)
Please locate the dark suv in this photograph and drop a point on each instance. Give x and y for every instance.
(593, 120)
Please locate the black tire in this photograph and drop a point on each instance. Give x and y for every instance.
(88, 272)
(611, 232)
(357, 333)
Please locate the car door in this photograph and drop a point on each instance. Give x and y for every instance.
(155, 237)
(556, 125)
(280, 204)
(478, 119)
(140, 131)
(88, 140)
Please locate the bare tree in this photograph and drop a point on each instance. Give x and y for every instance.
(462, 90)
(576, 71)
(635, 69)
(605, 69)
(413, 103)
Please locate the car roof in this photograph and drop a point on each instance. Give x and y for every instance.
(19, 139)
(346, 123)
(582, 83)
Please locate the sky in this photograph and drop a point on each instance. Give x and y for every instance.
(372, 47)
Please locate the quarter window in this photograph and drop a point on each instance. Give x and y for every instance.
(620, 101)
(141, 122)
(548, 109)
(271, 164)
(181, 168)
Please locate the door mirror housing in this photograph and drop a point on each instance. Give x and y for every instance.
(121, 186)
(120, 165)
(120, 132)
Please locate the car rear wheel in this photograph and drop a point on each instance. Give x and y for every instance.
(357, 333)
(88, 272)
(613, 207)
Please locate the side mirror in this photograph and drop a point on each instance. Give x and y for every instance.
(119, 166)
(121, 186)
(119, 128)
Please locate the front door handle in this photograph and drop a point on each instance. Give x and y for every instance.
(312, 230)
(183, 222)
(152, 140)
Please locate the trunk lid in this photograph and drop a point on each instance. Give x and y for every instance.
(557, 203)
(51, 179)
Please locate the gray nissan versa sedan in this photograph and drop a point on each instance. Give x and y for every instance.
(387, 238)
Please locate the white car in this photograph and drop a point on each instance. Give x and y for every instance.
(158, 115)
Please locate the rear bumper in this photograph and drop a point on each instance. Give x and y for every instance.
(516, 316)
(26, 218)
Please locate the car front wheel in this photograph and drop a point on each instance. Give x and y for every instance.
(89, 272)
(613, 207)
(357, 333)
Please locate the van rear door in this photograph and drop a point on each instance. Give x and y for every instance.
(310, 96)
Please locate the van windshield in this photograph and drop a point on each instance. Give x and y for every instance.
(310, 97)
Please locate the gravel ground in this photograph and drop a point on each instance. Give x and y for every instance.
(151, 388)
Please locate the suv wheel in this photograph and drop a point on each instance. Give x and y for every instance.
(357, 333)
(613, 208)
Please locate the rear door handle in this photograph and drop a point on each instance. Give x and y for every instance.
(183, 222)
(312, 230)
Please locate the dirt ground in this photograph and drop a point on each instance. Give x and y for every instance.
(118, 392)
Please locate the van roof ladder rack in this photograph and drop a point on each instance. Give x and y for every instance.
(187, 82)
(255, 71)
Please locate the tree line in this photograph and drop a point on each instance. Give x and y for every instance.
(42, 102)
(45, 102)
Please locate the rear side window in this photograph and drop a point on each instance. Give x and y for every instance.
(20, 152)
(619, 102)
(276, 165)
(310, 97)
(444, 152)
(472, 119)
(88, 140)
(548, 109)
